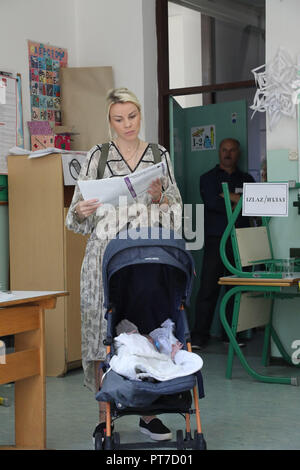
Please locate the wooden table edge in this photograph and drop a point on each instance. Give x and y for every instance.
(238, 281)
(37, 298)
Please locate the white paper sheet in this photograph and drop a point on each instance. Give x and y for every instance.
(109, 190)
(8, 119)
(18, 151)
(277, 88)
(72, 163)
(49, 150)
(265, 199)
(44, 152)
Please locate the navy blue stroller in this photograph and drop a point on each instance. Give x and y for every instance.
(146, 281)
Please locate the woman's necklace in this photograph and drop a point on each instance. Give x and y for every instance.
(134, 154)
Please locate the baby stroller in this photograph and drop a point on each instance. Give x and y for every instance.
(146, 281)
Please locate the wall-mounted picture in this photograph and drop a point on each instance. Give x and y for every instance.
(44, 64)
(203, 138)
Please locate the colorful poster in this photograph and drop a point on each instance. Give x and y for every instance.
(203, 138)
(44, 64)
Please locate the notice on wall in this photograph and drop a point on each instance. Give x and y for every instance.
(44, 65)
(11, 120)
(72, 163)
(266, 199)
(203, 138)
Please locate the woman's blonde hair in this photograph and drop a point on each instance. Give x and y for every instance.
(119, 95)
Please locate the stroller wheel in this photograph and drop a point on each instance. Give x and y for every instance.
(179, 440)
(98, 442)
(116, 440)
(199, 441)
(108, 443)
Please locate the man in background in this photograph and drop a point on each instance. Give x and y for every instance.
(215, 222)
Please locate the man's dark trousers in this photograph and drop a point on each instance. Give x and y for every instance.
(212, 269)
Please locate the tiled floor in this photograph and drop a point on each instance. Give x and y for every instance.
(236, 414)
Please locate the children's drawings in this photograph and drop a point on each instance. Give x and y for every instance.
(203, 138)
(44, 64)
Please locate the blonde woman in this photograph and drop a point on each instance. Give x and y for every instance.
(127, 153)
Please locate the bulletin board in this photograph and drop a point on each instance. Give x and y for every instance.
(83, 94)
(45, 63)
(11, 116)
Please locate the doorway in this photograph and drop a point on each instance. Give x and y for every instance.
(206, 51)
(205, 58)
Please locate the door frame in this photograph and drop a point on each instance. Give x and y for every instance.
(164, 91)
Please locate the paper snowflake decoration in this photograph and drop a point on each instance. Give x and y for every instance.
(278, 86)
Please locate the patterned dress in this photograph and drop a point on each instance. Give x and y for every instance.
(93, 323)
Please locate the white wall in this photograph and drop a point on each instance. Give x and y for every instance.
(119, 33)
(282, 28)
(111, 33)
(22, 20)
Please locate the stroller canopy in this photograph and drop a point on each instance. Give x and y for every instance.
(155, 246)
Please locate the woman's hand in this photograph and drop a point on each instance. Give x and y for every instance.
(85, 208)
(155, 190)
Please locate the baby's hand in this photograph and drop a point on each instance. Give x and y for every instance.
(175, 348)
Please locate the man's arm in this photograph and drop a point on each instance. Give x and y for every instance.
(234, 198)
(209, 190)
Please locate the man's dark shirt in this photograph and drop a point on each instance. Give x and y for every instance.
(215, 218)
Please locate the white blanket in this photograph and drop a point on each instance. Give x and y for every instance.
(138, 359)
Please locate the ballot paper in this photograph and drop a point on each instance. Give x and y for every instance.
(128, 188)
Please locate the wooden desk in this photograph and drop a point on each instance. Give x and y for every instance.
(51, 253)
(271, 287)
(22, 315)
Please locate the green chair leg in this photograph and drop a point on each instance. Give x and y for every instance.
(235, 317)
(234, 343)
(266, 346)
(267, 339)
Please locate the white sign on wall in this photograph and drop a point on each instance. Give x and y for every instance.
(71, 166)
(203, 138)
(266, 199)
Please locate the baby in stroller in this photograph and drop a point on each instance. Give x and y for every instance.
(147, 282)
(161, 343)
(157, 356)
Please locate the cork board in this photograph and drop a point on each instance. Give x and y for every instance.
(83, 93)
